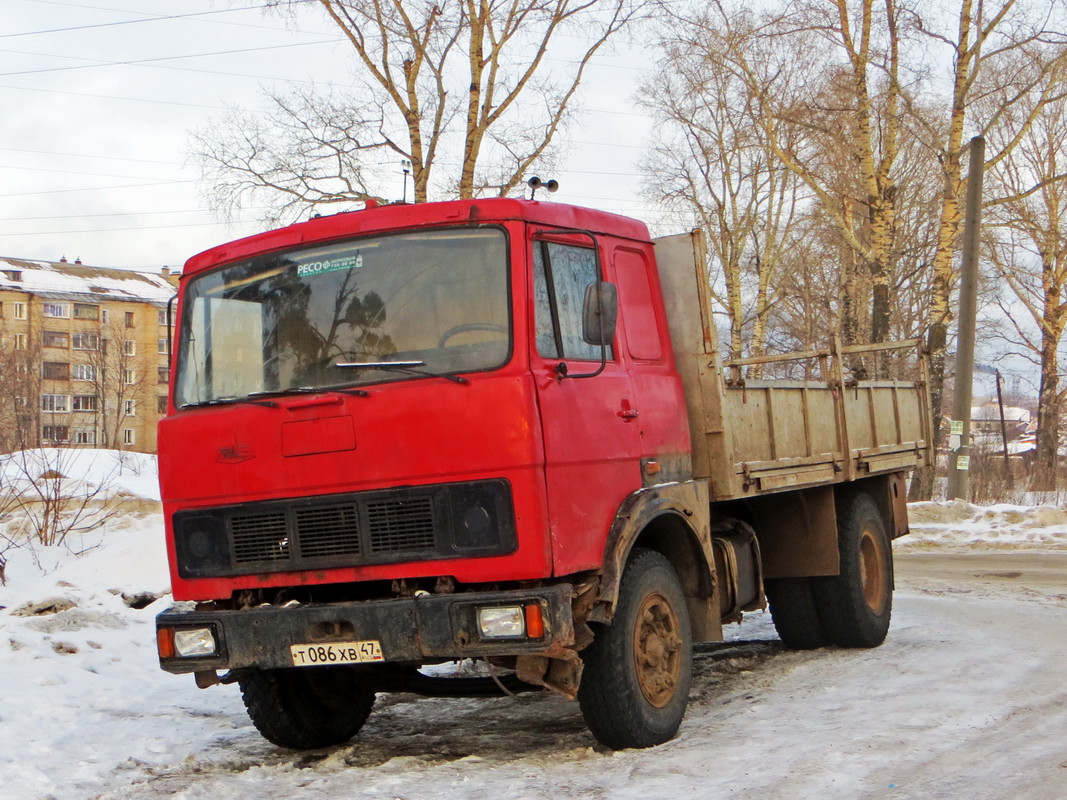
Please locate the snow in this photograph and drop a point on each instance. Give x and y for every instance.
(118, 471)
(50, 277)
(959, 526)
(965, 699)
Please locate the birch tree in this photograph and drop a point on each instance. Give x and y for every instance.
(1028, 217)
(824, 82)
(713, 166)
(463, 88)
(998, 48)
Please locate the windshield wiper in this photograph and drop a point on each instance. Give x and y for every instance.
(401, 366)
(225, 401)
(309, 390)
(258, 398)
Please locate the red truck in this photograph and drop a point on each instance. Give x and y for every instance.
(501, 430)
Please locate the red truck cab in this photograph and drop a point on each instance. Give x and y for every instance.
(503, 462)
(385, 424)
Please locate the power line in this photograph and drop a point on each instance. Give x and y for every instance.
(125, 21)
(73, 172)
(89, 155)
(120, 230)
(96, 188)
(183, 16)
(147, 61)
(117, 97)
(119, 214)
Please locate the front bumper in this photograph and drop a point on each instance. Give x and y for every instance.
(411, 629)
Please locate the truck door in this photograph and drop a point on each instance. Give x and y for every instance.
(591, 436)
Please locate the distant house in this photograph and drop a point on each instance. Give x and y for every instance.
(84, 354)
(986, 428)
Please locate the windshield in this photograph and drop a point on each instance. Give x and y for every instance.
(437, 301)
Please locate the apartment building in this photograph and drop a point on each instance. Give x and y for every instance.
(84, 355)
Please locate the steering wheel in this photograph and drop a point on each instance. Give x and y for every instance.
(470, 326)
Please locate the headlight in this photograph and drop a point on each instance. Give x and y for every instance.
(201, 544)
(194, 642)
(504, 622)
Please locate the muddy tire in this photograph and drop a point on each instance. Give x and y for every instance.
(638, 670)
(855, 606)
(794, 613)
(305, 708)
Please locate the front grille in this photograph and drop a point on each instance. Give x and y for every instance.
(329, 531)
(418, 523)
(400, 527)
(260, 537)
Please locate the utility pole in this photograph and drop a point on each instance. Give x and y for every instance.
(960, 455)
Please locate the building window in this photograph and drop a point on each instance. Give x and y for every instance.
(58, 310)
(129, 347)
(161, 404)
(56, 434)
(163, 347)
(84, 436)
(21, 342)
(86, 311)
(128, 377)
(55, 339)
(105, 316)
(129, 319)
(55, 371)
(83, 372)
(18, 311)
(55, 403)
(84, 402)
(129, 408)
(162, 316)
(127, 436)
(85, 341)
(164, 374)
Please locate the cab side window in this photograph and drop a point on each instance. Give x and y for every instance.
(561, 275)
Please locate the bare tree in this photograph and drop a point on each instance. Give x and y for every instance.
(468, 82)
(47, 504)
(712, 164)
(20, 388)
(823, 81)
(996, 48)
(118, 379)
(1029, 254)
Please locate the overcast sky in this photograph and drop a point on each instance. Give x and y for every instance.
(99, 97)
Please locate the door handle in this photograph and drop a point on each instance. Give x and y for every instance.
(628, 414)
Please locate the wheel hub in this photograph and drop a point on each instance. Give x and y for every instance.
(873, 571)
(657, 650)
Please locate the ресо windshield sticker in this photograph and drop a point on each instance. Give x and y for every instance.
(333, 265)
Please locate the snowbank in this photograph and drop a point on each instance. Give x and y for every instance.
(122, 471)
(950, 525)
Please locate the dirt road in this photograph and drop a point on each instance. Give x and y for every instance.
(1041, 573)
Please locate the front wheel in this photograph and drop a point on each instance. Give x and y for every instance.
(638, 670)
(306, 707)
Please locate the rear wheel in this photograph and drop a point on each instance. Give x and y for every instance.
(794, 613)
(307, 707)
(855, 606)
(638, 670)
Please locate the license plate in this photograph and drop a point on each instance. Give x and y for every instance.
(313, 655)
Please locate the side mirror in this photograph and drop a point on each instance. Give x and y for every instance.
(600, 312)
